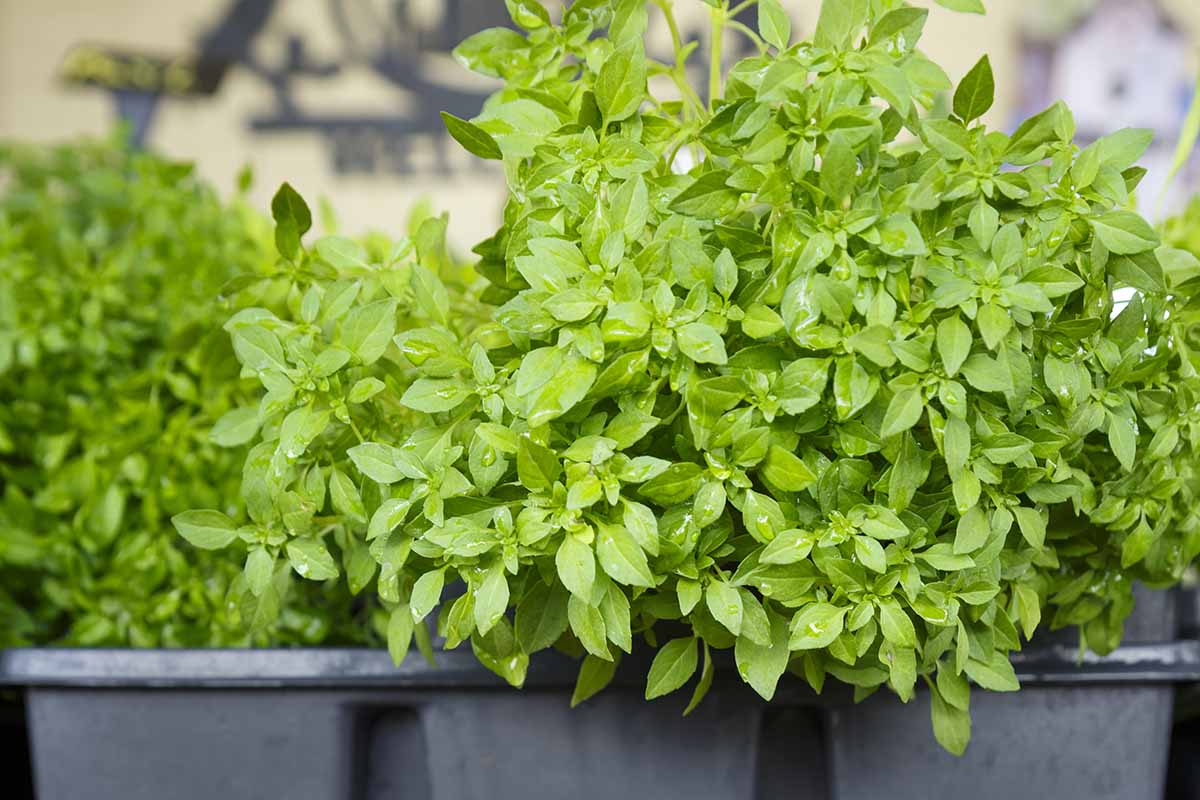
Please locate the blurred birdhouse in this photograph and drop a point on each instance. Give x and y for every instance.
(1117, 64)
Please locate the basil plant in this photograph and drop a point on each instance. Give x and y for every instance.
(815, 368)
(113, 372)
(316, 333)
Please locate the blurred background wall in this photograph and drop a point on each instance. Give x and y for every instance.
(341, 97)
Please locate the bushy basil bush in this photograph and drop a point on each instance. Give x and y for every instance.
(113, 371)
(320, 342)
(812, 372)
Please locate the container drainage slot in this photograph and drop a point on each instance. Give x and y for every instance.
(14, 742)
(792, 756)
(396, 757)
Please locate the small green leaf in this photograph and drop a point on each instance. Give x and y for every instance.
(788, 547)
(367, 331)
(954, 687)
(708, 197)
(702, 344)
(896, 625)
(839, 169)
(977, 91)
(260, 567)
(994, 324)
(965, 6)
(954, 344)
(785, 470)
(431, 295)
(870, 554)
(839, 22)
(1032, 526)
(903, 412)
(345, 496)
(774, 24)
(399, 633)
(529, 14)
(475, 140)
(1124, 232)
(951, 726)
(289, 208)
(587, 623)
(537, 466)
(426, 594)
(1124, 148)
(311, 560)
(364, 390)
(556, 397)
(376, 461)
(642, 524)
(621, 557)
(1123, 439)
(1029, 608)
(621, 85)
(576, 566)
(541, 617)
(673, 666)
(259, 349)
(236, 427)
(897, 21)
(762, 666)
(208, 530)
(435, 395)
(949, 138)
(816, 626)
(342, 253)
(491, 598)
(702, 685)
(594, 675)
(689, 593)
(996, 674)
(882, 523)
(725, 604)
(1141, 271)
(972, 531)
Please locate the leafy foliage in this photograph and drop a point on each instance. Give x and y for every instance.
(315, 332)
(809, 373)
(113, 371)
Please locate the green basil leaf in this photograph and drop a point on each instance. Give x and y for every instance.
(673, 666)
(475, 140)
(1124, 232)
(967, 6)
(208, 530)
(621, 85)
(774, 23)
(977, 91)
(311, 560)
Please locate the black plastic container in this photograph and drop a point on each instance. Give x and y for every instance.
(14, 744)
(1183, 775)
(347, 725)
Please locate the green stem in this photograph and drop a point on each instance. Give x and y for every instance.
(675, 151)
(678, 72)
(354, 428)
(691, 99)
(750, 34)
(742, 7)
(676, 39)
(714, 59)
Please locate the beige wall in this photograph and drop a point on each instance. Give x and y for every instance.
(34, 104)
(34, 36)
